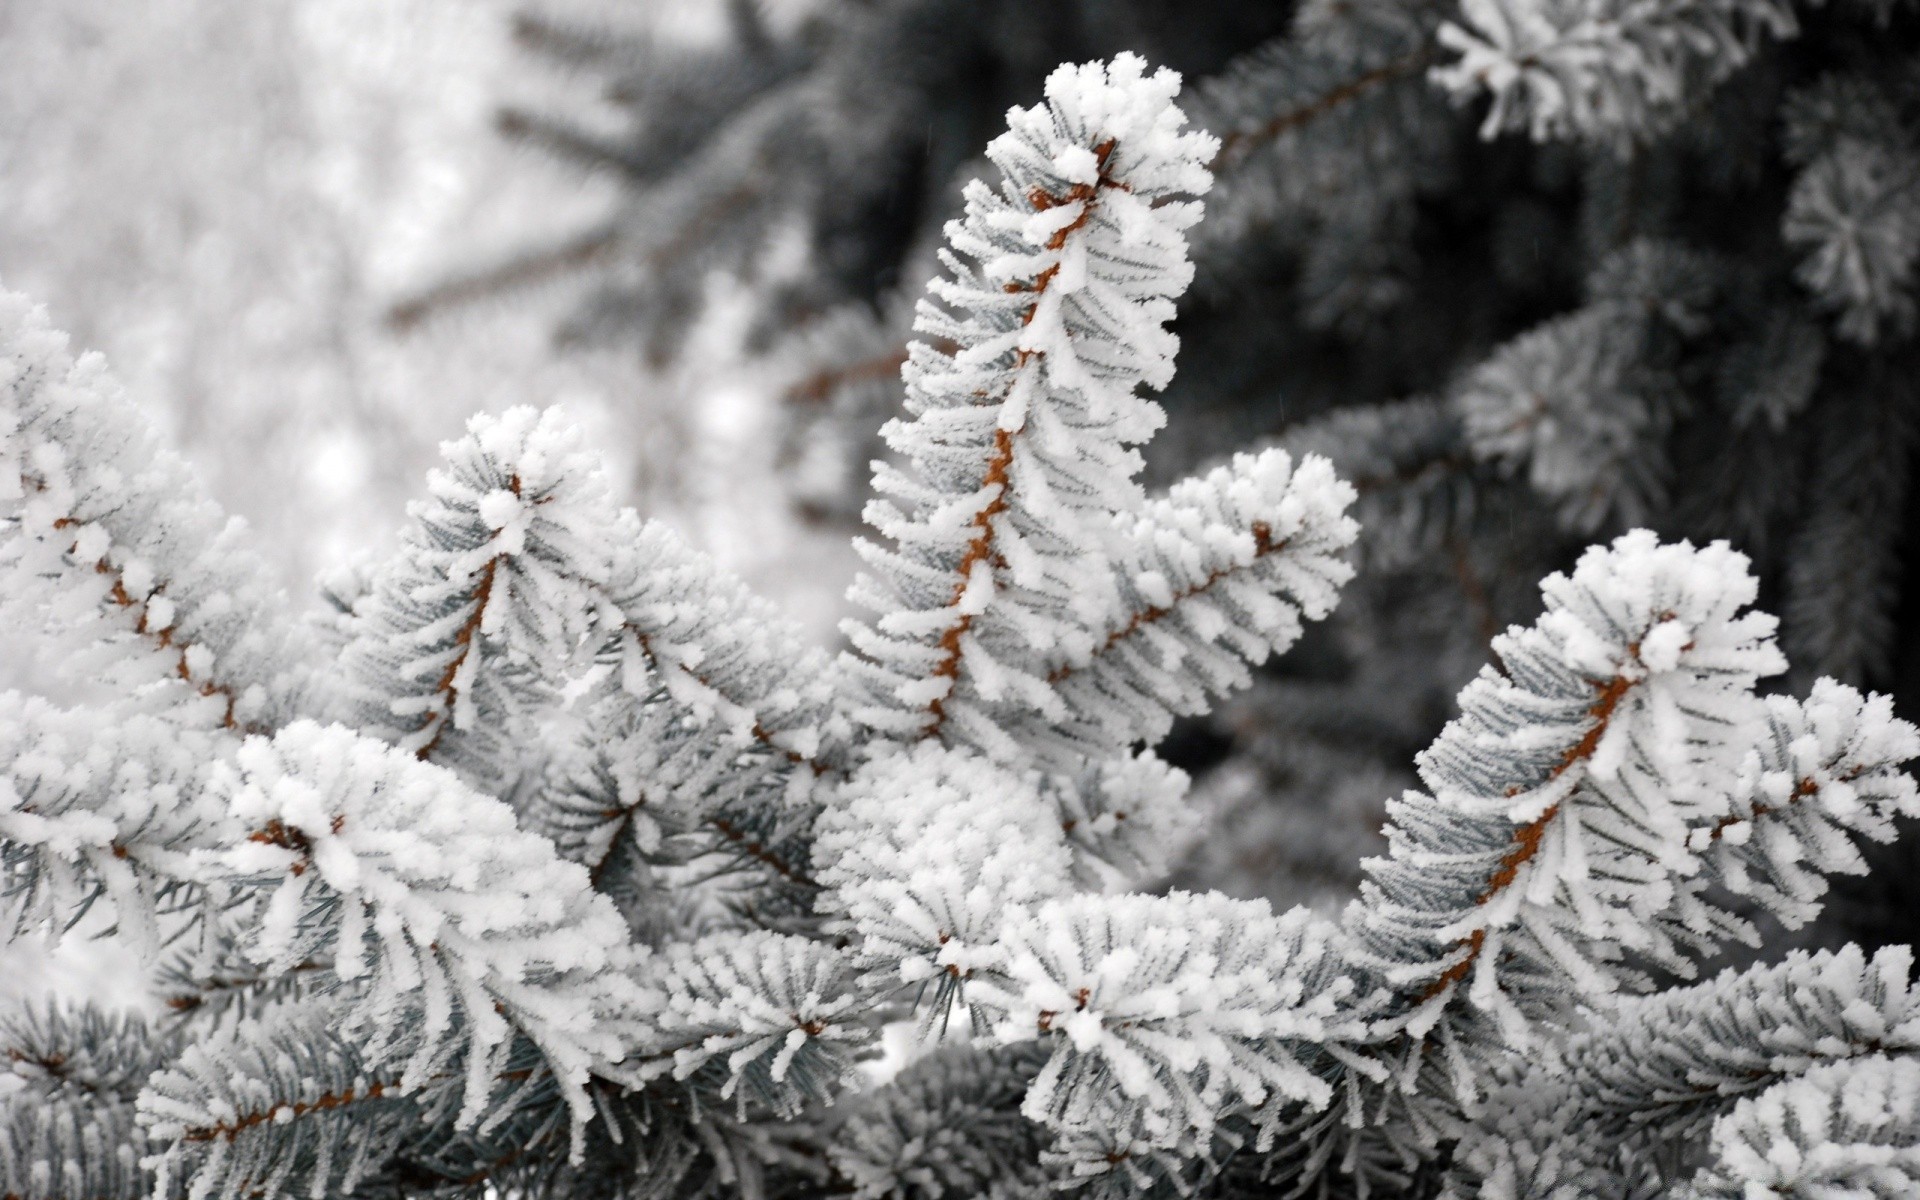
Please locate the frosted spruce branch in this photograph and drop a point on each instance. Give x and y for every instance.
(119, 814)
(1607, 70)
(109, 543)
(1019, 439)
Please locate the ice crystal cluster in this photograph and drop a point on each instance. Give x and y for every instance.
(554, 863)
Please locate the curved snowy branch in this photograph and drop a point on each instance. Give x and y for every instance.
(1563, 795)
(429, 900)
(110, 543)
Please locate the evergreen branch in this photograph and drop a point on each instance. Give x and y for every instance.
(948, 1125)
(275, 1105)
(70, 1147)
(1564, 793)
(1238, 144)
(1057, 313)
(1527, 838)
(926, 849)
(760, 852)
(821, 386)
(1826, 774)
(759, 1016)
(567, 141)
(1611, 71)
(1264, 543)
(91, 809)
(995, 483)
(493, 599)
(1166, 1013)
(1216, 575)
(111, 543)
(412, 882)
(1844, 1128)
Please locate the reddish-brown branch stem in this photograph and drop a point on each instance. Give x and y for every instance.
(448, 683)
(819, 387)
(1805, 788)
(759, 732)
(229, 1130)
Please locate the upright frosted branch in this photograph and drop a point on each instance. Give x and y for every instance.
(477, 619)
(1018, 447)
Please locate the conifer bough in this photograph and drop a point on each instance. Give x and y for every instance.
(589, 876)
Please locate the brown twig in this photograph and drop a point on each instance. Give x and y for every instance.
(163, 639)
(759, 732)
(520, 271)
(231, 1129)
(757, 850)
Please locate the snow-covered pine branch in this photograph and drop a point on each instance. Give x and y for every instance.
(1214, 576)
(490, 598)
(1605, 70)
(94, 808)
(281, 1106)
(110, 544)
(925, 850)
(1646, 1085)
(761, 1017)
(503, 970)
(711, 714)
(1168, 1013)
(1849, 1128)
(1824, 776)
(451, 930)
(1562, 797)
(67, 1123)
(1019, 442)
